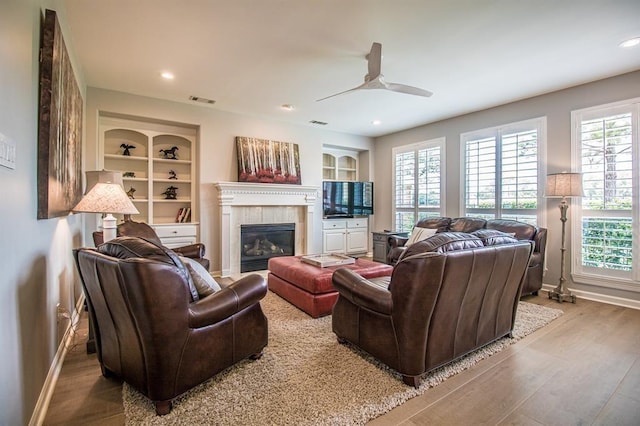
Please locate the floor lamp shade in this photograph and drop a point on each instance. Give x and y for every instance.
(564, 185)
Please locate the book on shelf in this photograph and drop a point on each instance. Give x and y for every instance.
(181, 212)
(184, 215)
(187, 215)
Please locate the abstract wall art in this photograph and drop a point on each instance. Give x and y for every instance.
(59, 126)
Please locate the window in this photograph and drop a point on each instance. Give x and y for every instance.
(605, 150)
(418, 183)
(502, 170)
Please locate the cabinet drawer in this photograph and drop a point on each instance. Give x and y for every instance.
(178, 242)
(380, 237)
(334, 224)
(175, 231)
(357, 223)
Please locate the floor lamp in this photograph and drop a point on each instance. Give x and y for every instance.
(563, 185)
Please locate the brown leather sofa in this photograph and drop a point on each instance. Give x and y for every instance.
(448, 295)
(152, 332)
(140, 229)
(522, 231)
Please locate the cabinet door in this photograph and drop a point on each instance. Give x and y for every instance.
(357, 241)
(380, 251)
(334, 241)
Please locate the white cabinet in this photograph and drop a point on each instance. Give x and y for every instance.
(357, 235)
(348, 236)
(177, 235)
(334, 236)
(159, 171)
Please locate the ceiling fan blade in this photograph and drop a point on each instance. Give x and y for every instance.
(374, 59)
(410, 90)
(341, 93)
(375, 80)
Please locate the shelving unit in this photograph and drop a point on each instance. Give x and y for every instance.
(339, 165)
(152, 173)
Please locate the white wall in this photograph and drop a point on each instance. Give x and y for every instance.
(557, 107)
(35, 255)
(217, 157)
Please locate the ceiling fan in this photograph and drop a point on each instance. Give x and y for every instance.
(375, 80)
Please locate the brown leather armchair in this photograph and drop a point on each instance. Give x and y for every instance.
(448, 295)
(151, 333)
(522, 231)
(141, 229)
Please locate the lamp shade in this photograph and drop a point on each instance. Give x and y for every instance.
(106, 198)
(104, 176)
(564, 185)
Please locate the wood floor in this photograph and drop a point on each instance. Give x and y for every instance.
(582, 369)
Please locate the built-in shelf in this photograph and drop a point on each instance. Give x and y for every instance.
(339, 165)
(152, 172)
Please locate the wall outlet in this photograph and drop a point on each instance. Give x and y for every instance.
(7, 152)
(62, 313)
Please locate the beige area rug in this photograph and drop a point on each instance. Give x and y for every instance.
(307, 378)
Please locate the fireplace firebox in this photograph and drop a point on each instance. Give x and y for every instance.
(261, 242)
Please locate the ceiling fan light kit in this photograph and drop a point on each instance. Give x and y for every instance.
(375, 80)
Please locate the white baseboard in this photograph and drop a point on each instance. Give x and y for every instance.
(597, 297)
(40, 410)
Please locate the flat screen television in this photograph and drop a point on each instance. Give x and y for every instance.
(347, 199)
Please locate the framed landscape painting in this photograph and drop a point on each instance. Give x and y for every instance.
(265, 161)
(59, 126)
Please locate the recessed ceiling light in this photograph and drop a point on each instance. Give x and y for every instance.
(167, 75)
(287, 107)
(631, 42)
(376, 122)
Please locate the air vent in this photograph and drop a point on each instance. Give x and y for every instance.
(319, 123)
(203, 100)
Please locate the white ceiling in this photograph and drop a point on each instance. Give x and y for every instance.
(251, 56)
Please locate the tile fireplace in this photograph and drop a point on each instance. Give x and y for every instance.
(244, 203)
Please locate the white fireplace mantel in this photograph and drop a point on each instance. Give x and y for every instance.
(235, 196)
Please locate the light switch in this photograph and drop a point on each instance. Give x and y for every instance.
(7, 152)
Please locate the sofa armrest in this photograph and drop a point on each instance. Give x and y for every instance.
(193, 251)
(226, 302)
(362, 292)
(540, 241)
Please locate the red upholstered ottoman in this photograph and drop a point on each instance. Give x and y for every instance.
(309, 287)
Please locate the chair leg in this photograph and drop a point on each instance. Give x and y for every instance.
(256, 356)
(162, 407)
(106, 372)
(412, 381)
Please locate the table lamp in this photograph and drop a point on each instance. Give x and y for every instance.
(109, 198)
(563, 185)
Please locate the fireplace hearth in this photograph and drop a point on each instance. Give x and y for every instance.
(261, 242)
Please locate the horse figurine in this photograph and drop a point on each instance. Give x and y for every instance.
(170, 154)
(127, 149)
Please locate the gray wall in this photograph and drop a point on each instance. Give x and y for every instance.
(35, 255)
(557, 107)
